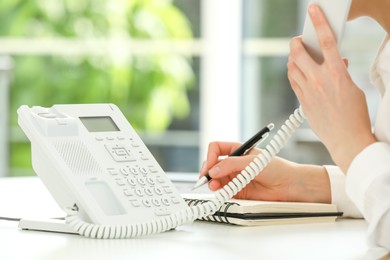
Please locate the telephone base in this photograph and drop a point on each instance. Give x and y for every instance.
(48, 225)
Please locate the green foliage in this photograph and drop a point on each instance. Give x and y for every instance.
(150, 90)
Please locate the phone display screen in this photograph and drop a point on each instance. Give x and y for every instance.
(99, 124)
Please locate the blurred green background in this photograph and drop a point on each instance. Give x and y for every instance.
(151, 90)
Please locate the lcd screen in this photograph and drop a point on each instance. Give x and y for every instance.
(99, 124)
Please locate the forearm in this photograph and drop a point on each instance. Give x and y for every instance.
(312, 184)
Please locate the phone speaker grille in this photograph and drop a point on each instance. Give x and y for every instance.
(77, 157)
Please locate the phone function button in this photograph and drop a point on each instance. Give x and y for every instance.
(168, 190)
(120, 153)
(162, 212)
(135, 203)
(129, 193)
(153, 169)
(175, 200)
(120, 182)
(143, 156)
(113, 172)
(160, 180)
(99, 138)
(134, 143)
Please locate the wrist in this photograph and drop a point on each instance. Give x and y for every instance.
(313, 184)
(344, 155)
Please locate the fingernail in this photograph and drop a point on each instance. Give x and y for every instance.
(214, 171)
(313, 9)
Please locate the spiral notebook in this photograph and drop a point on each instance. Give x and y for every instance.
(254, 213)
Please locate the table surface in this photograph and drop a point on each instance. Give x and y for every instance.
(28, 198)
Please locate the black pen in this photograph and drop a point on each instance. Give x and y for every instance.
(242, 150)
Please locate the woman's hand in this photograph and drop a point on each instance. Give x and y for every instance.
(335, 107)
(281, 180)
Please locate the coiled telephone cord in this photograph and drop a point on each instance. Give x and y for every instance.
(201, 210)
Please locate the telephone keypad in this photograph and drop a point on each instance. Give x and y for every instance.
(143, 188)
(142, 184)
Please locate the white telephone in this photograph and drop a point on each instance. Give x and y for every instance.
(89, 156)
(101, 173)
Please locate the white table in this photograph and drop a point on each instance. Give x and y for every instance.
(27, 197)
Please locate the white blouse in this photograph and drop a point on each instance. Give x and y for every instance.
(365, 190)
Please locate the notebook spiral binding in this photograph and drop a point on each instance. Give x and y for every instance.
(219, 216)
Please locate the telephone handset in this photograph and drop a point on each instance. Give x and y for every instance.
(103, 176)
(336, 12)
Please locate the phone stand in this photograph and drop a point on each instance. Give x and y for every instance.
(49, 225)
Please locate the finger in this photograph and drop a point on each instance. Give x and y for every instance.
(205, 169)
(217, 149)
(230, 166)
(325, 35)
(297, 90)
(300, 57)
(294, 74)
(217, 184)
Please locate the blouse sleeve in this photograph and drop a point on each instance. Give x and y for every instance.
(339, 197)
(368, 186)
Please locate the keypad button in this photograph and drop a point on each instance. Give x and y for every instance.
(124, 171)
(156, 202)
(132, 182)
(133, 170)
(150, 180)
(141, 181)
(158, 191)
(147, 203)
(143, 170)
(165, 201)
(148, 192)
(139, 192)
